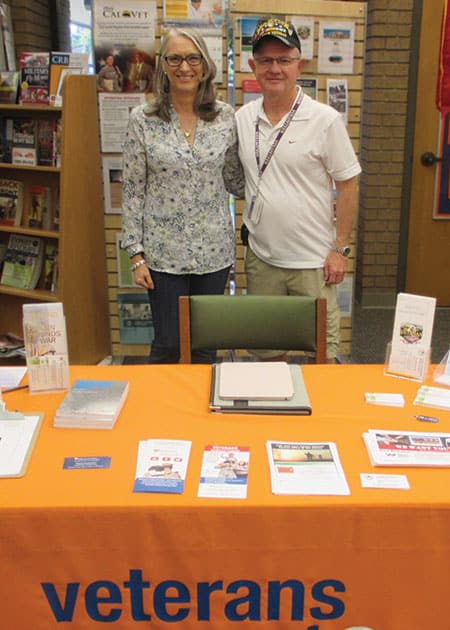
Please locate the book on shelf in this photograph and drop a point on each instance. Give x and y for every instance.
(57, 143)
(23, 149)
(39, 207)
(286, 394)
(17, 439)
(9, 344)
(45, 136)
(407, 448)
(51, 266)
(34, 78)
(5, 140)
(45, 337)
(8, 36)
(3, 248)
(23, 261)
(91, 404)
(61, 65)
(9, 86)
(11, 202)
(3, 62)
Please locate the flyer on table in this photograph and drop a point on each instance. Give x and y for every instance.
(224, 472)
(162, 465)
(306, 468)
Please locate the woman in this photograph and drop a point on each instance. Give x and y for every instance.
(180, 158)
(109, 78)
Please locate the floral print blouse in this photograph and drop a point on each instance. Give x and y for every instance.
(174, 201)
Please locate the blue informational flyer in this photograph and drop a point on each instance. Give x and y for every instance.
(161, 466)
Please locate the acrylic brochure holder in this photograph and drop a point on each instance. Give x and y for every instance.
(441, 374)
(413, 364)
(408, 354)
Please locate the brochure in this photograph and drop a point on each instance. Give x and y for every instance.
(306, 468)
(44, 332)
(411, 336)
(162, 465)
(437, 397)
(224, 472)
(407, 448)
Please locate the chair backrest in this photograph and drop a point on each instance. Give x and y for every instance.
(225, 322)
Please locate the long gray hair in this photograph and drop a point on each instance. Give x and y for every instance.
(205, 100)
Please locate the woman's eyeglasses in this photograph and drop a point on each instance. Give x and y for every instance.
(176, 60)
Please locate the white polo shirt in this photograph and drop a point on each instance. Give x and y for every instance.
(293, 224)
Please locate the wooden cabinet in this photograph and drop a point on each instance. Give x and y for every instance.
(82, 280)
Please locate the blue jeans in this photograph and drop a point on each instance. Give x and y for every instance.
(164, 305)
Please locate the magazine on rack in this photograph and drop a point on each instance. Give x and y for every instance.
(407, 448)
(305, 468)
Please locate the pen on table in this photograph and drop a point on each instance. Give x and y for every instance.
(426, 418)
(13, 389)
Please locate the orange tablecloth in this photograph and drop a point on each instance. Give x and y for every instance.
(80, 547)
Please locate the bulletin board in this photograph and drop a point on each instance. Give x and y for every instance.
(235, 86)
(319, 15)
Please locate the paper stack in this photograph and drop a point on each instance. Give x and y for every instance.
(407, 448)
(391, 400)
(433, 397)
(91, 404)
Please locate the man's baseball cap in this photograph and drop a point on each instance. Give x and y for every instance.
(285, 32)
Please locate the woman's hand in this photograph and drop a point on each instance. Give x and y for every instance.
(143, 278)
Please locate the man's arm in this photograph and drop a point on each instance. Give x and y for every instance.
(346, 205)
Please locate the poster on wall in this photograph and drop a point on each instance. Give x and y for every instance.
(337, 96)
(204, 15)
(124, 45)
(114, 112)
(135, 318)
(336, 47)
(308, 85)
(305, 29)
(248, 27)
(112, 184)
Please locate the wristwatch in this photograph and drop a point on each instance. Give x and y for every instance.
(343, 251)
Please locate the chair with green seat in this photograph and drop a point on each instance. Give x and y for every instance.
(226, 322)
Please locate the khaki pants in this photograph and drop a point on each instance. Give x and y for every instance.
(265, 279)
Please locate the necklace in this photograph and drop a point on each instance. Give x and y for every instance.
(190, 131)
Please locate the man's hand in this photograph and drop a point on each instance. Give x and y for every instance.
(335, 268)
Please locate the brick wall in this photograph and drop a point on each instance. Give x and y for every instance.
(384, 112)
(41, 24)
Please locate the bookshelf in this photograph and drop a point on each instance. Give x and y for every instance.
(79, 237)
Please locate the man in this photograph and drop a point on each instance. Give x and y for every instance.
(293, 148)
